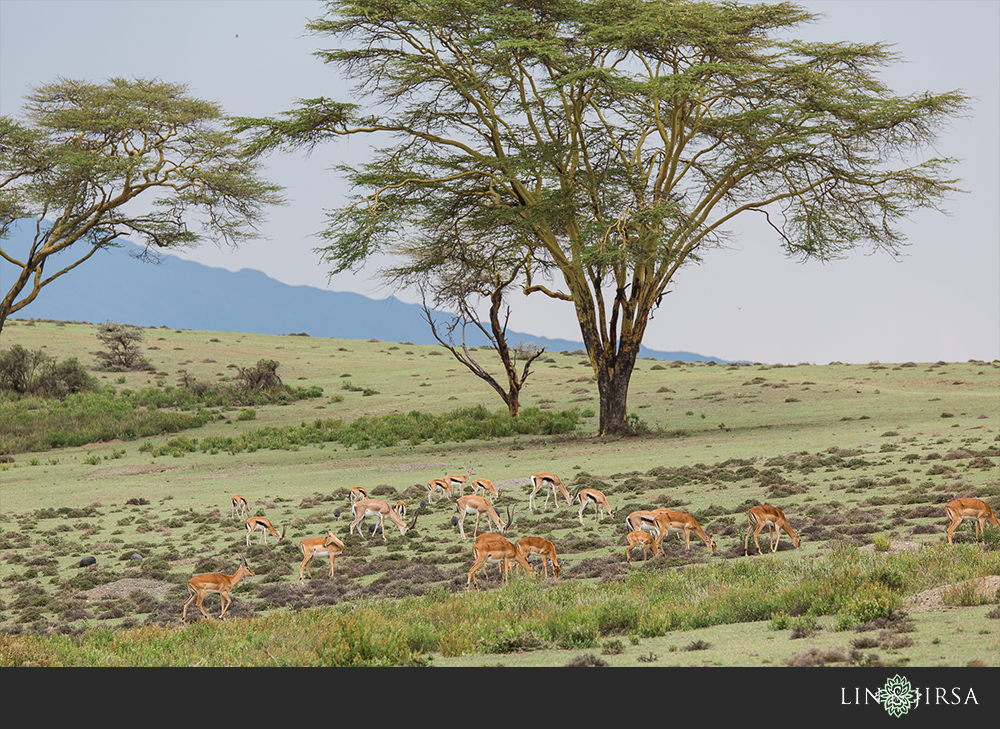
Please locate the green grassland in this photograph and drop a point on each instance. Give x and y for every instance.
(861, 457)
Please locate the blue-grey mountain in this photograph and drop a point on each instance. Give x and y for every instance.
(181, 294)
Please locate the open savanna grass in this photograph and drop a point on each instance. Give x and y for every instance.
(858, 455)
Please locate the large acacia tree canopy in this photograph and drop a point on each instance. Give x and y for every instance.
(87, 151)
(613, 140)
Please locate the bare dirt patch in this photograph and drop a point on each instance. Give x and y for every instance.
(125, 587)
(985, 587)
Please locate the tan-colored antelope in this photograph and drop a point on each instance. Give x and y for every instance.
(435, 485)
(201, 585)
(644, 521)
(357, 493)
(495, 547)
(646, 539)
(542, 546)
(598, 499)
(459, 481)
(480, 505)
(240, 505)
(264, 525)
(487, 487)
(382, 511)
(400, 508)
(772, 517)
(978, 511)
(328, 546)
(674, 522)
(553, 482)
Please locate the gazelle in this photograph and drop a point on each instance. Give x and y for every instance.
(357, 493)
(553, 482)
(542, 546)
(646, 539)
(258, 522)
(480, 505)
(495, 547)
(435, 485)
(400, 508)
(674, 522)
(381, 510)
(459, 481)
(766, 515)
(240, 505)
(487, 487)
(200, 585)
(976, 510)
(599, 500)
(644, 521)
(328, 546)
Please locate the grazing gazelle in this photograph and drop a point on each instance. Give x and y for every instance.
(554, 484)
(646, 539)
(766, 515)
(599, 500)
(258, 522)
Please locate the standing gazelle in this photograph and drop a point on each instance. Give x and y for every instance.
(978, 511)
(201, 585)
(240, 506)
(328, 546)
(459, 481)
(646, 539)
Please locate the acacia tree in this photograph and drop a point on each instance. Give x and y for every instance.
(620, 138)
(86, 153)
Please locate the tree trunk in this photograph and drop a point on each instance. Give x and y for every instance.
(613, 385)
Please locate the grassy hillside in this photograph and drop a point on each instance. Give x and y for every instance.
(861, 457)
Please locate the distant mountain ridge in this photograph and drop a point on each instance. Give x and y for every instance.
(117, 287)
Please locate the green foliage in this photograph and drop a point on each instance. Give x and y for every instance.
(24, 372)
(475, 423)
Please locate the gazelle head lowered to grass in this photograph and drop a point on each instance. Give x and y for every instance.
(264, 525)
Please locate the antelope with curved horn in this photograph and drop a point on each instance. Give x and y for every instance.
(201, 585)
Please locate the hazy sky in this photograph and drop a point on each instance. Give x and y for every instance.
(748, 302)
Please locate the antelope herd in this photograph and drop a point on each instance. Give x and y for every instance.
(646, 528)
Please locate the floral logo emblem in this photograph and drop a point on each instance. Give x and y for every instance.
(897, 696)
